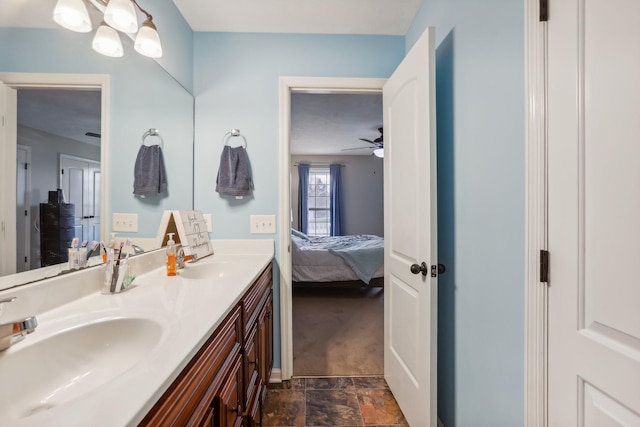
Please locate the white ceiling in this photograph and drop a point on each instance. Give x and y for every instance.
(66, 113)
(330, 123)
(321, 124)
(390, 17)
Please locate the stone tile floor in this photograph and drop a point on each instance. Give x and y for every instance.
(333, 401)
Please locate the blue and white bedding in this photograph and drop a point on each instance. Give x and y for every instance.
(338, 258)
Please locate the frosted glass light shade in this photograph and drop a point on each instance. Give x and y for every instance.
(379, 152)
(147, 41)
(121, 15)
(72, 15)
(107, 42)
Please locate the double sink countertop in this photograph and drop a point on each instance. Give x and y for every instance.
(99, 359)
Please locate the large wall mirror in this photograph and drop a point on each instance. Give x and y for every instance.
(91, 115)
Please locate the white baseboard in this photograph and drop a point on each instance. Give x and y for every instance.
(276, 375)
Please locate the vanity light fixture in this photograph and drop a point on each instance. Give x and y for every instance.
(107, 42)
(119, 15)
(72, 15)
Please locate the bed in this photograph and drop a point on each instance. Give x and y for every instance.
(355, 260)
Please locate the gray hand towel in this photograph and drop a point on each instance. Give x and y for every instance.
(149, 175)
(234, 174)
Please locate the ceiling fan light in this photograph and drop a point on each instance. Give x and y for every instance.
(107, 42)
(379, 152)
(148, 41)
(121, 15)
(72, 15)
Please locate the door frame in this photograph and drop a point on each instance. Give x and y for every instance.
(288, 85)
(536, 295)
(18, 80)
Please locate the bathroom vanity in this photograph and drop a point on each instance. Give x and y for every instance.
(194, 349)
(225, 382)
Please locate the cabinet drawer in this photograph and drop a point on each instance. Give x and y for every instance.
(187, 400)
(254, 297)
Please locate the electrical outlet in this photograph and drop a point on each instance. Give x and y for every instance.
(263, 224)
(125, 222)
(207, 219)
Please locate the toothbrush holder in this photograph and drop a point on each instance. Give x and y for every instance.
(117, 276)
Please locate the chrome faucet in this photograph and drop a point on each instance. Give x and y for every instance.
(181, 258)
(15, 331)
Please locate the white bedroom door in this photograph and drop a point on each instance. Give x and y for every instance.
(8, 141)
(410, 297)
(594, 213)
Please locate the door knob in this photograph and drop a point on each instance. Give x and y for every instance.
(422, 268)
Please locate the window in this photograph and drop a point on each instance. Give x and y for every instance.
(319, 202)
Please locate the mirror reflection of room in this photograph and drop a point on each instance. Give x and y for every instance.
(58, 150)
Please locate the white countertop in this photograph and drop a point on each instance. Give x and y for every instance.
(187, 311)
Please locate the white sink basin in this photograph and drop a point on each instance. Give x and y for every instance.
(210, 270)
(56, 370)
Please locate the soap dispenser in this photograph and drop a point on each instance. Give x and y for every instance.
(171, 256)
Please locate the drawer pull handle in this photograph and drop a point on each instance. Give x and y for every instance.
(237, 409)
(253, 362)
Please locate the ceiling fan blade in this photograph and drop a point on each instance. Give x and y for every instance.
(357, 148)
(93, 134)
(366, 140)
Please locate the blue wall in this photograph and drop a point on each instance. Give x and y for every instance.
(176, 37)
(236, 86)
(481, 198)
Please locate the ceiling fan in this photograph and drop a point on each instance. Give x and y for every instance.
(378, 145)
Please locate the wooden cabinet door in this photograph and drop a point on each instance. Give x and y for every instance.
(265, 340)
(252, 362)
(228, 404)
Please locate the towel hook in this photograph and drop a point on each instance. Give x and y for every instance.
(153, 132)
(233, 133)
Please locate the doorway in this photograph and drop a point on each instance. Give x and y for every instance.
(29, 84)
(61, 126)
(345, 313)
(289, 86)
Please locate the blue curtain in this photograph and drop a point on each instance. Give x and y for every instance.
(337, 204)
(303, 187)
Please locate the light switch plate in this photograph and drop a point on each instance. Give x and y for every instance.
(124, 222)
(263, 224)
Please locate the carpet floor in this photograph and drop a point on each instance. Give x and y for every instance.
(338, 332)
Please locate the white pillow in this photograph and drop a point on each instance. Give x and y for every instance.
(299, 234)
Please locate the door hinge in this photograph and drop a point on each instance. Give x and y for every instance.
(26, 259)
(26, 166)
(544, 266)
(26, 212)
(544, 10)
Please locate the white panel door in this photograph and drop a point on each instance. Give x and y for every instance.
(8, 142)
(23, 208)
(594, 213)
(410, 299)
(80, 182)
